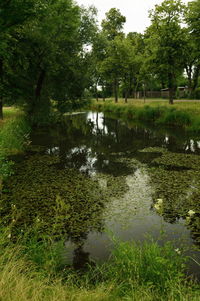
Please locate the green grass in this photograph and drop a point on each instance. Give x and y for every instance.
(134, 272)
(185, 114)
(9, 113)
(14, 131)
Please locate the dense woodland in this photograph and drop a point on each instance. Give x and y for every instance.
(54, 56)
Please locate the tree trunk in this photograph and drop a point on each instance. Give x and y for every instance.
(144, 92)
(103, 91)
(1, 83)
(171, 88)
(39, 85)
(35, 104)
(1, 109)
(195, 79)
(171, 96)
(96, 92)
(116, 90)
(135, 94)
(126, 96)
(189, 77)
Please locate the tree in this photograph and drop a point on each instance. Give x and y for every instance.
(13, 15)
(98, 56)
(137, 73)
(192, 56)
(166, 43)
(49, 58)
(113, 24)
(111, 67)
(191, 63)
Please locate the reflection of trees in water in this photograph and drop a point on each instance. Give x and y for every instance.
(90, 146)
(97, 143)
(81, 258)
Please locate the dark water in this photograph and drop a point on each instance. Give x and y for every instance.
(134, 167)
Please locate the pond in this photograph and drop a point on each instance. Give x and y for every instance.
(96, 178)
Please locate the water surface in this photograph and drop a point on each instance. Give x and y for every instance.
(96, 177)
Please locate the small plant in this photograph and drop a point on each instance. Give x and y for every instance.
(5, 167)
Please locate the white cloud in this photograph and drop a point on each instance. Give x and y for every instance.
(136, 11)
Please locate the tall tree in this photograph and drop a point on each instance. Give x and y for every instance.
(166, 43)
(113, 24)
(192, 56)
(13, 15)
(49, 57)
(112, 27)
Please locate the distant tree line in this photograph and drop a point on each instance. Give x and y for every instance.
(165, 56)
(53, 54)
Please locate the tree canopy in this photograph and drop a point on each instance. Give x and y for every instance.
(53, 54)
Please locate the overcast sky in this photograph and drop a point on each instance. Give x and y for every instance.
(136, 11)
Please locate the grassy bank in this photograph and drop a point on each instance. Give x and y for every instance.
(134, 272)
(183, 114)
(14, 131)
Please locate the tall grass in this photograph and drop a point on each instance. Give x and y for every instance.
(13, 135)
(14, 131)
(185, 116)
(134, 272)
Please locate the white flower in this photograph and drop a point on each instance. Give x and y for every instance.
(191, 212)
(157, 206)
(159, 201)
(178, 251)
(9, 235)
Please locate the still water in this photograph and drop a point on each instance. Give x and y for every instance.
(116, 179)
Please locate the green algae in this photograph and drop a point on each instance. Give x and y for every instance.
(126, 183)
(63, 201)
(178, 187)
(55, 202)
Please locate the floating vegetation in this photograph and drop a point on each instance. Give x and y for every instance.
(63, 201)
(56, 201)
(94, 174)
(179, 187)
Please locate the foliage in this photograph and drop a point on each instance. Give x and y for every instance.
(47, 56)
(113, 24)
(166, 41)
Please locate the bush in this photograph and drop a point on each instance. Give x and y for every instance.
(175, 117)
